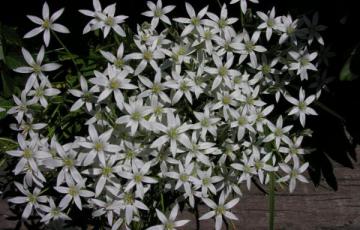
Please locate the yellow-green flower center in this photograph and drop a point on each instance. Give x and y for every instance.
(175, 57)
(222, 23)
(242, 121)
(114, 84)
(73, 190)
(138, 178)
(249, 46)
(119, 63)
(145, 37)
(128, 198)
(226, 100)
(223, 71)
(208, 35)
(181, 51)
(23, 108)
(27, 153)
(259, 164)
(194, 148)
(195, 21)
(227, 46)
(36, 68)
(156, 88)
(278, 132)
(183, 86)
(136, 116)
(304, 61)
(237, 80)
(206, 181)
(293, 173)
(106, 171)
(247, 169)
(39, 92)
(266, 69)
(302, 106)
(98, 146)
(294, 151)
(130, 154)
(158, 13)
(169, 225)
(290, 30)
(220, 210)
(68, 162)
(270, 22)
(148, 56)
(87, 96)
(158, 110)
(172, 133)
(46, 24)
(53, 152)
(259, 117)
(204, 122)
(55, 211)
(32, 198)
(184, 177)
(250, 100)
(109, 21)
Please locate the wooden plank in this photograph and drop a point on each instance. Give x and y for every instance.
(306, 209)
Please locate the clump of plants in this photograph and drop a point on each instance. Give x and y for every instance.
(181, 112)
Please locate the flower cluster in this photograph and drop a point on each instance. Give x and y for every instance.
(193, 114)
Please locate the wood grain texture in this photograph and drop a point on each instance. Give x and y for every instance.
(308, 208)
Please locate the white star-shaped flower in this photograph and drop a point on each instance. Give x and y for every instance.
(293, 174)
(301, 106)
(110, 21)
(47, 24)
(270, 22)
(35, 68)
(194, 22)
(220, 210)
(170, 222)
(157, 12)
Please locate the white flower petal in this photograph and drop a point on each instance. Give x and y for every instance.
(34, 32)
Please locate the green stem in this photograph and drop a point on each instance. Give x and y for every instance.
(197, 216)
(9, 140)
(69, 210)
(162, 202)
(116, 39)
(327, 109)
(272, 201)
(232, 225)
(218, 1)
(2, 162)
(242, 19)
(42, 192)
(67, 51)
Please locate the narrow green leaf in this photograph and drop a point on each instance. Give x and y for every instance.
(2, 56)
(7, 144)
(345, 73)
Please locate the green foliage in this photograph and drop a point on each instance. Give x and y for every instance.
(10, 44)
(351, 69)
(7, 144)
